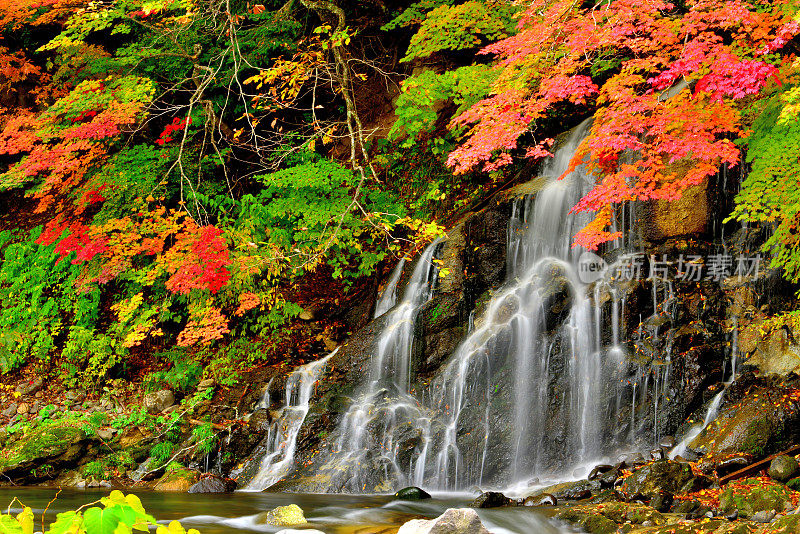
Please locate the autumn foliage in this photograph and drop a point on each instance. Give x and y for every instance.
(665, 84)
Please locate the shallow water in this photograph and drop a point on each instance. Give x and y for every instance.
(330, 513)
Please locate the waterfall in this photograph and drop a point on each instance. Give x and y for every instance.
(370, 436)
(541, 383)
(277, 456)
(389, 296)
(540, 339)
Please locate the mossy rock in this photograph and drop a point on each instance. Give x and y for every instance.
(592, 523)
(58, 445)
(654, 478)
(750, 496)
(789, 524)
(283, 516)
(178, 480)
(794, 484)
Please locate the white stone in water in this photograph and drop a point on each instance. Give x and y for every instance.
(453, 521)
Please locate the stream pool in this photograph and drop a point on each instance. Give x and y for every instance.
(330, 513)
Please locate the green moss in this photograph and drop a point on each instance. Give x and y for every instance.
(757, 437)
(44, 442)
(751, 496)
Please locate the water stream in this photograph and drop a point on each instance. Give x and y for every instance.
(277, 449)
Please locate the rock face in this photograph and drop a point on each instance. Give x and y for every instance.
(159, 401)
(783, 468)
(660, 476)
(453, 521)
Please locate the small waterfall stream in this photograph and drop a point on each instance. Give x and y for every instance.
(388, 298)
(277, 456)
(383, 408)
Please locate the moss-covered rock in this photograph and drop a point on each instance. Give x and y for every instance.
(177, 480)
(789, 524)
(783, 467)
(43, 451)
(283, 516)
(658, 477)
(754, 495)
(592, 523)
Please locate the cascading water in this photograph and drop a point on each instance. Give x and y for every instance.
(539, 338)
(369, 437)
(538, 385)
(388, 298)
(278, 448)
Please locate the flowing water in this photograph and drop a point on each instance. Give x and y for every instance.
(388, 298)
(332, 514)
(277, 450)
(368, 439)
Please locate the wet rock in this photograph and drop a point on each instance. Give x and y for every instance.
(159, 401)
(662, 501)
(453, 521)
(657, 454)
(545, 499)
(282, 516)
(751, 496)
(599, 470)
(412, 493)
(733, 463)
(607, 480)
(574, 491)
(763, 516)
(213, 484)
(667, 442)
(660, 476)
(178, 480)
(732, 516)
(783, 468)
(491, 499)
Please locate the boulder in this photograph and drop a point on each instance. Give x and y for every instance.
(453, 521)
(412, 493)
(213, 484)
(158, 401)
(545, 499)
(179, 480)
(783, 468)
(57, 445)
(599, 470)
(660, 476)
(491, 499)
(282, 516)
(750, 496)
(29, 386)
(733, 463)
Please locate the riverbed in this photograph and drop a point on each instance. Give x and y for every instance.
(330, 513)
